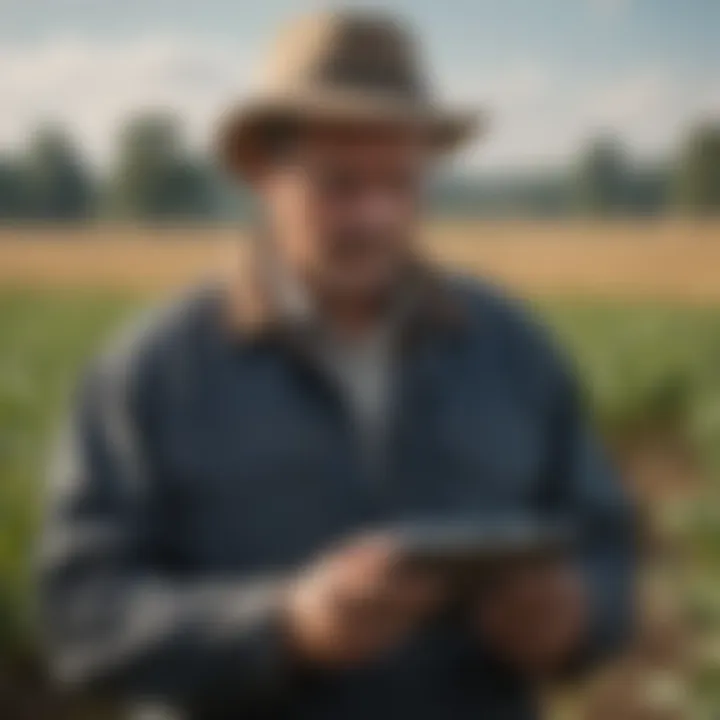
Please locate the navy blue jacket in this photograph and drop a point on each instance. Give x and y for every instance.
(201, 466)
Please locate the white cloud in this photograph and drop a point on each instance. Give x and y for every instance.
(652, 107)
(508, 88)
(649, 109)
(91, 86)
(632, 99)
(520, 102)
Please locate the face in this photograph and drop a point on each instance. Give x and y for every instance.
(344, 205)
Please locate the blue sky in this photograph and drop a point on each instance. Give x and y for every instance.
(550, 72)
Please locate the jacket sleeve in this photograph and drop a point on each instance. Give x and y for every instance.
(112, 620)
(582, 486)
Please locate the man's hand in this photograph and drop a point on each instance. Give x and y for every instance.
(356, 603)
(535, 618)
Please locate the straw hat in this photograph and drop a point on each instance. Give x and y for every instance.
(344, 66)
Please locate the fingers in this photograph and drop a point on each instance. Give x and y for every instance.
(361, 570)
(369, 572)
(358, 601)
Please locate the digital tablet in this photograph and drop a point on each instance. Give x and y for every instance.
(470, 546)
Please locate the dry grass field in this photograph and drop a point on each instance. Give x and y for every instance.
(670, 260)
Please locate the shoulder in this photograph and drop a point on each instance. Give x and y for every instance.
(160, 344)
(499, 323)
(486, 307)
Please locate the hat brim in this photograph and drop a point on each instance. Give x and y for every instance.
(245, 131)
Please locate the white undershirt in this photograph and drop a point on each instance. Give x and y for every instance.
(363, 371)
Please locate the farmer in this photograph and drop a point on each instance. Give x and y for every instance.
(209, 546)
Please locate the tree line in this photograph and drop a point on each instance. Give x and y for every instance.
(155, 178)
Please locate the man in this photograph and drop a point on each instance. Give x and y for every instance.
(211, 542)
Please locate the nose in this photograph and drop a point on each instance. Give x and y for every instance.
(377, 209)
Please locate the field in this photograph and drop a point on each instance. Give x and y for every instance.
(643, 260)
(637, 306)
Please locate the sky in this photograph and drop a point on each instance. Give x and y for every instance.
(548, 73)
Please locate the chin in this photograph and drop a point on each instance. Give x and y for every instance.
(362, 281)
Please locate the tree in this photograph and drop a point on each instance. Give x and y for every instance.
(55, 179)
(697, 185)
(648, 188)
(602, 178)
(13, 200)
(154, 178)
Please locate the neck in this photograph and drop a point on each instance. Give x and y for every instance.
(352, 316)
(349, 314)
